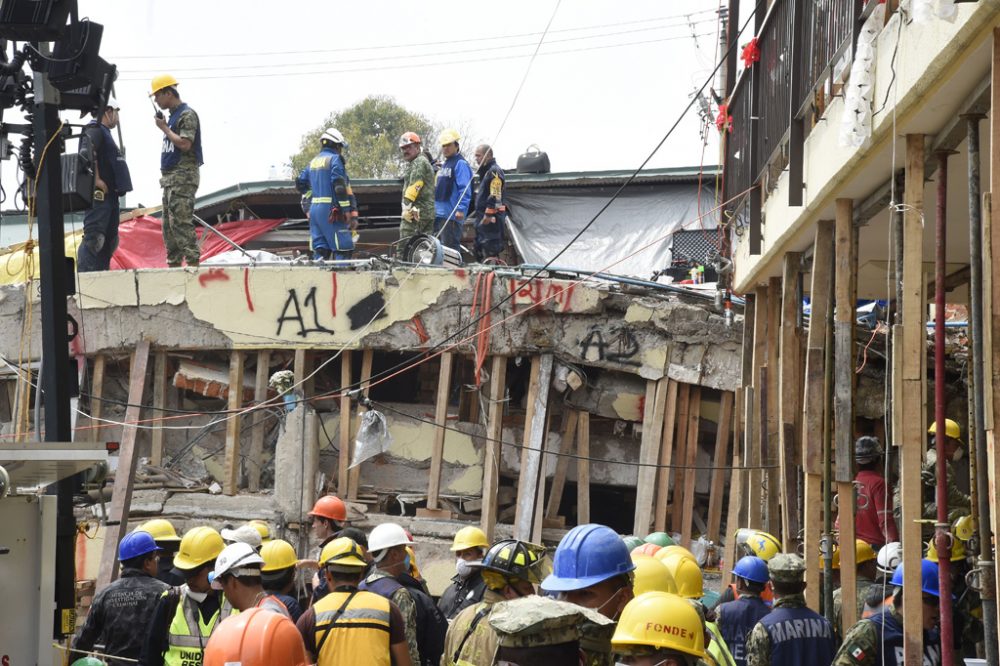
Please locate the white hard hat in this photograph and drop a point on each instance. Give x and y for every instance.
(889, 557)
(388, 535)
(243, 534)
(333, 135)
(112, 103)
(238, 559)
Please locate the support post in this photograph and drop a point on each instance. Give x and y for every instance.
(735, 493)
(789, 406)
(666, 458)
(493, 449)
(344, 454)
(757, 419)
(583, 469)
(367, 357)
(773, 398)
(722, 436)
(690, 459)
(159, 402)
(97, 398)
(532, 476)
(232, 464)
(254, 459)
(441, 420)
(683, 404)
(570, 417)
(649, 453)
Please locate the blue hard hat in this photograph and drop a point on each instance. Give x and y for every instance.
(752, 568)
(136, 544)
(587, 555)
(928, 577)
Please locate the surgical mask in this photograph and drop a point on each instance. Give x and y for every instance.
(197, 597)
(957, 455)
(407, 562)
(463, 568)
(600, 608)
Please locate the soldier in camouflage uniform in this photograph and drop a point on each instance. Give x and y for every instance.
(791, 634)
(959, 504)
(541, 631)
(180, 161)
(867, 570)
(418, 188)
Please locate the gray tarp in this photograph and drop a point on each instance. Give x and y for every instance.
(544, 220)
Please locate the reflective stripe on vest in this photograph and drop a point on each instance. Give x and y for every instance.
(322, 200)
(186, 646)
(359, 634)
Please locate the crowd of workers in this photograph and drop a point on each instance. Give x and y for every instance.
(436, 198)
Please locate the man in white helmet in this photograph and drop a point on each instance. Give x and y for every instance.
(333, 210)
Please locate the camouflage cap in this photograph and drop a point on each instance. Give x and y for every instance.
(534, 621)
(785, 568)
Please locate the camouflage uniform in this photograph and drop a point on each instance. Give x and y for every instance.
(540, 621)
(481, 645)
(418, 174)
(865, 589)
(862, 646)
(180, 183)
(959, 504)
(408, 607)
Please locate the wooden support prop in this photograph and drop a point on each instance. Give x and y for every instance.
(231, 470)
(493, 450)
(848, 559)
(773, 441)
(583, 469)
(159, 402)
(757, 416)
(683, 404)
(367, 357)
(690, 459)
(302, 367)
(255, 460)
(344, 454)
(649, 453)
(532, 476)
(718, 486)
(441, 420)
(911, 400)
(761, 451)
(570, 418)
(745, 458)
(991, 301)
(96, 399)
(736, 477)
(666, 458)
(813, 503)
(121, 497)
(789, 406)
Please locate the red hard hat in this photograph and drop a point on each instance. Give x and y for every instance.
(256, 637)
(330, 506)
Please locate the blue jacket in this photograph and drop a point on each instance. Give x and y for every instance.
(326, 177)
(453, 189)
(170, 156)
(799, 636)
(735, 621)
(110, 163)
(890, 630)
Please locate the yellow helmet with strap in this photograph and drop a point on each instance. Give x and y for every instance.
(660, 620)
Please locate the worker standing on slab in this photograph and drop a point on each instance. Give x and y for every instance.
(878, 640)
(237, 575)
(791, 634)
(162, 530)
(467, 585)
(333, 211)
(659, 628)
(180, 164)
(186, 616)
(351, 626)
(873, 519)
(326, 520)
(452, 191)
(278, 574)
(256, 637)
(866, 571)
(120, 613)
(491, 208)
(738, 617)
(418, 191)
(111, 181)
(592, 568)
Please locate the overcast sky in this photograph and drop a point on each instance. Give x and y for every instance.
(609, 80)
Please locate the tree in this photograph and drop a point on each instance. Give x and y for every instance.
(372, 128)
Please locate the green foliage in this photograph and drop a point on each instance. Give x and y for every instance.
(372, 128)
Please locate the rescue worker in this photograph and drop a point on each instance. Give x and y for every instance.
(651, 575)
(661, 539)
(262, 528)
(873, 519)
(186, 616)
(790, 634)
(510, 569)
(691, 586)
(866, 567)
(738, 617)
(247, 534)
(756, 543)
(889, 557)
(878, 640)
(351, 626)
(490, 210)
(467, 585)
(967, 607)
(180, 162)
(452, 191)
(540, 631)
(237, 576)
(278, 574)
(959, 504)
(326, 519)
(424, 624)
(592, 568)
(168, 542)
(659, 629)
(256, 637)
(111, 181)
(418, 193)
(333, 210)
(120, 612)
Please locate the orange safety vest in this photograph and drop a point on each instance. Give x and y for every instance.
(767, 596)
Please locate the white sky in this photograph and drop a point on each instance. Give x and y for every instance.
(590, 108)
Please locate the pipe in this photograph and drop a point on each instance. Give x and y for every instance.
(941, 536)
(985, 564)
(827, 465)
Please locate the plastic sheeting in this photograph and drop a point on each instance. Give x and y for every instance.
(545, 220)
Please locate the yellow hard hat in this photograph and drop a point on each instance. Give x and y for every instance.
(951, 429)
(759, 543)
(957, 551)
(660, 620)
(199, 546)
(834, 556)
(863, 552)
(469, 537)
(449, 136)
(964, 528)
(652, 575)
(686, 574)
(278, 554)
(262, 528)
(667, 551)
(343, 552)
(160, 529)
(160, 82)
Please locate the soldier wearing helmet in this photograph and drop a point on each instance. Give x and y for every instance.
(333, 210)
(866, 567)
(418, 191)
(467, 585)
(950, 445)
(452, 191)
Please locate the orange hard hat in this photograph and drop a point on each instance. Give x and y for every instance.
(256, 637)
(646, 549)
(330, 506)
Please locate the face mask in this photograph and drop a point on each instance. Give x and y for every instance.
(600, 609)
(463, 568)
(406, 563)
(957, 455)
(197, 597)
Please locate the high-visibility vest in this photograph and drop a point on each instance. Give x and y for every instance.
(188, 634)
(352, 628)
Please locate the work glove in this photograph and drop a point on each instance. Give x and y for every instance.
(409, 212)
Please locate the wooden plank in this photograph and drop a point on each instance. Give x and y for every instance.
(666, 458)
(531, 476)
(757, 416)
(441, 420)
(494, 433)
(736, 477)
(743, 518)
(302, 368)
(848, 559)
(583, 469)
(649, 453)
(255, 459)
(718, 485)
(846, 287)
(231, 467)
(690, 459)
(819, 294)
(121, 496)
(991, 300)
(159, 402)
(789, 406)
(570, 417)
(683, 403)
(773, 440)
(96, 398)
(344, 454)
(761, 451)
(367, 357)
(813, 504)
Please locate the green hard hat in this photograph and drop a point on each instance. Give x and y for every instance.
(632, 542)
(88, 661)
(661, 539)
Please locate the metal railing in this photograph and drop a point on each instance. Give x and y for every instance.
(740, 173)
(828, 28)
(775, 76)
